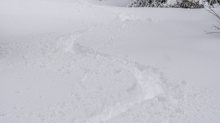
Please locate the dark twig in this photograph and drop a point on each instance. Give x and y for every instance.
(210, 10)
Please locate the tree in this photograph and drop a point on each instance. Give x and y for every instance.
(167, 3)
(213, 3)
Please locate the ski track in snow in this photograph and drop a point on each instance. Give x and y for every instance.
(109, 87)
(68, 57)
(105, 89)
(123, 15)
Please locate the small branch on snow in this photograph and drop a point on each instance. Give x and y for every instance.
(211, 32)
(210, 10)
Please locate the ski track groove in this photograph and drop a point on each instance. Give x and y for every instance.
(145, 94)
(148, 85)
(65, 48)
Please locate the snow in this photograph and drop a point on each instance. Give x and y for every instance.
(118, 3)
(90, 61)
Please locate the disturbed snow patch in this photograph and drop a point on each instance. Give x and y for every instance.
(101, 88)
(180, 104)
(104, 86)
(127, 83)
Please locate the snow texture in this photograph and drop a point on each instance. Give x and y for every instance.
(74, 61)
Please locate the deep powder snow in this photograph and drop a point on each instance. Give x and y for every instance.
(75, 62)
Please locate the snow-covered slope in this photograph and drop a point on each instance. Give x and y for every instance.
(118, 3)
(71, 61)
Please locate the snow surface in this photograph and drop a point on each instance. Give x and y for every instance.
(88, 61)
